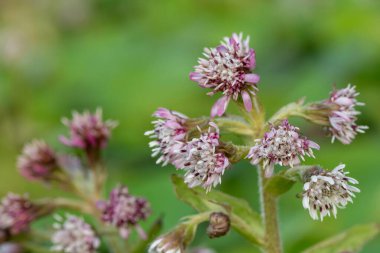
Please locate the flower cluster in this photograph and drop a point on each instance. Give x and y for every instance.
(74, 235)
(124, 211)
(344, 115)
(326, 191)
(282, 145)
(88, 131)
(227, 69)
(37, 161)
(203, 163)
(16, 213)
(169, 132)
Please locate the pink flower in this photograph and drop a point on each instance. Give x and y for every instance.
(343, 118)
(203, 164)
(37, 161)
(227, 69)
(124, 211)
(74, 235)
(88, 131)
(169, 131)
(281, 145)
(16, 213)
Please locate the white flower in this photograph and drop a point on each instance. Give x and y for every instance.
(327, 191)
(74, 235)
(281, 145)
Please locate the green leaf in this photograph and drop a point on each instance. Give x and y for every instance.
(278, 185)
(350, 241)
(243, 219)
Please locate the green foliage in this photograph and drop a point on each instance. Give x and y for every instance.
(243, 219)
(279, 184)
(350, 241)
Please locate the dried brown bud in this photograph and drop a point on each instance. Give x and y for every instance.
(219, 225)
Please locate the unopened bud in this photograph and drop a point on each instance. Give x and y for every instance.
(219, 225)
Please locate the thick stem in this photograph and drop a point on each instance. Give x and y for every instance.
(269, 216)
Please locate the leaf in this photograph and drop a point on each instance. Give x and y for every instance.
(243, 219)
(350, 241)
(278, 185)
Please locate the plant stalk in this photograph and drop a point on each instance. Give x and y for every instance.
(269, 216)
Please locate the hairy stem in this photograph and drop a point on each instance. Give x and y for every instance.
(269, 216)
(292, 109)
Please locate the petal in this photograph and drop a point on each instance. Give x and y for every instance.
(247, 100)
(251, 78)
(220, 106)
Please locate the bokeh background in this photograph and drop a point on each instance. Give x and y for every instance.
(130, 57)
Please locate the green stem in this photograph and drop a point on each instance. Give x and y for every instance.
(292, 109)
(269, 216)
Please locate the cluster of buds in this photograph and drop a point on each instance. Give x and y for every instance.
(74, 235)
(282, 145)
(227, 69)
(39, 162)
(16, 214)
(124, 211)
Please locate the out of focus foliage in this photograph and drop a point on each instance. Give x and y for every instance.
(131, 56)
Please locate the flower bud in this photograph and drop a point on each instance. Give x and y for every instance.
(219, 225)
(88, 131)
(124, 211)
(37, 161)
(16, 214)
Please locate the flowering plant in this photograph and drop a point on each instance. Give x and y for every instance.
(277, 148)
(199, 148)
(91, 223)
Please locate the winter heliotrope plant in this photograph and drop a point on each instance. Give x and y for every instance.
(198, 147)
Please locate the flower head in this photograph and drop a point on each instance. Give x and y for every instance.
(282, 145)
(226, 69)
(88, 131)
(326, 191)
(74, 235)
(344, 115)
(124, 211)
(169, 131)
(203, 163)
(16, 213)
(37, 161)
(175, 241)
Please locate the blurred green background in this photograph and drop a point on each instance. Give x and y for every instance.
(130, 57)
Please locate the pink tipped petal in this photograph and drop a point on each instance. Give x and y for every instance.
(247, 100)
(252, 78)
(220, 106)
(194, 76)
(221, 49)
